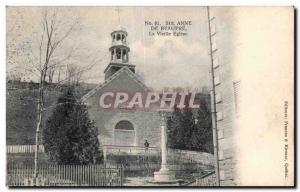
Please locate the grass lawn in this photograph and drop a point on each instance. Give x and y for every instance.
(26, 158)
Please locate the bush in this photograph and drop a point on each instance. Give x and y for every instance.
(70, 137)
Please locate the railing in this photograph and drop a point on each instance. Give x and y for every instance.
(65, 175)
(23, 149)
(135, 150)
(107, 149)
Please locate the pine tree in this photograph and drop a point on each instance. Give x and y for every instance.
(175, 130)
(70, 137)
(188, 125)
(202, 137)
(184, 133)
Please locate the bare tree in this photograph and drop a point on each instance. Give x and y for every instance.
(71, 74)
(74, 71)
(53, 34)
(45, 53)
(14, 77)
(51, 72)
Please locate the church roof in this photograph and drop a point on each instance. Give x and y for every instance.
(119, 28)
(111, 78)
(120, 65)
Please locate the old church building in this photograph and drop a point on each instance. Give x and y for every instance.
(122, 126)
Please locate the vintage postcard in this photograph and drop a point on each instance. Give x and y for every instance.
(149, 96)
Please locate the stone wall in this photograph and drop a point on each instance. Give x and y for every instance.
(187, 156)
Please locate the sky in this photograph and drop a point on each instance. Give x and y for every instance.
(162, 61)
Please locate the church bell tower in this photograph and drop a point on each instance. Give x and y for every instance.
(119, 52)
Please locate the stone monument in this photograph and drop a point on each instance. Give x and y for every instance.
(164, 175)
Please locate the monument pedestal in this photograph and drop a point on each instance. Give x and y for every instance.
(164, 175)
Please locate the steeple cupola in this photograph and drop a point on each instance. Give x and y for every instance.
(119, 52)
(119, 49)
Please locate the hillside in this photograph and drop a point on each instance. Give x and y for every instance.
(21, 109)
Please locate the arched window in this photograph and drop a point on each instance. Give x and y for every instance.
(124, 134)
(124, 125)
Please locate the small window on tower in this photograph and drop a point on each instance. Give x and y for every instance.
(118, 53)
(118, 37)
(125, 55)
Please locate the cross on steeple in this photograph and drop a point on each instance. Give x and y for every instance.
(118, 10)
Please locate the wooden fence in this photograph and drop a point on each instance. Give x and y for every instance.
(65, 175)
(23, 149)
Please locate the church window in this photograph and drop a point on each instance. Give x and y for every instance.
(124, 55)
(124, 134)
(118, 37)
(118, 53)
(124, 125)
